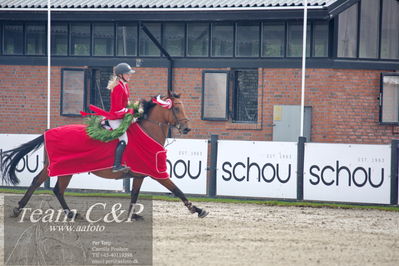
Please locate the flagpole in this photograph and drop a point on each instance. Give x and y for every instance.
(305, 22)
(48, 63)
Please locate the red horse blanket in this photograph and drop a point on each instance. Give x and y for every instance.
(71, 150)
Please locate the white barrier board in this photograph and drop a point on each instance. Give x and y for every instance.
(347, 172)
(187, 163)
(30, 165)
(257, 169)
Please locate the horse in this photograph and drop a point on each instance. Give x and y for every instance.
(156, 122)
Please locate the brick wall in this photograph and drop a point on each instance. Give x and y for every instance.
(344, 102)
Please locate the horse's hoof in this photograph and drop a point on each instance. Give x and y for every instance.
(203, 213)
(136, 217)
(73, 215)
(15, 212)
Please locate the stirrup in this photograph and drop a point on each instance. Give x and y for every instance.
(120, 168)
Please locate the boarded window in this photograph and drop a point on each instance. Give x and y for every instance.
(72, 91)
(215, 95)
(389, 98)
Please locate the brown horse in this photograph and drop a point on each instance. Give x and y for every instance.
(156, 122)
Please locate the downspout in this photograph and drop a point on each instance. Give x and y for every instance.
(171, 63)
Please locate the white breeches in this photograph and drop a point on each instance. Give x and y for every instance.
(114, 125)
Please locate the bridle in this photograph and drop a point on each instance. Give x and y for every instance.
(178, 121)
(177, 124)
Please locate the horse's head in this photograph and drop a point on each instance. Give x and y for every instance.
(177, 115)
(171, 110)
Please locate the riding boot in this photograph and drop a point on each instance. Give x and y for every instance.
(118, 167)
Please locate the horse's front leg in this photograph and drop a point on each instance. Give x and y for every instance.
(137, 182)
(178, 193)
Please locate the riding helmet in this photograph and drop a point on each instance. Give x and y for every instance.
(123, 68)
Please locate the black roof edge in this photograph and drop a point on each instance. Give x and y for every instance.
(188, 16)
(326, 63)
(340, 6)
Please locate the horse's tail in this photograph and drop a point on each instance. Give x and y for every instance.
(9, 159)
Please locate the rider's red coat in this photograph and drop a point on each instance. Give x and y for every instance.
(119, 101)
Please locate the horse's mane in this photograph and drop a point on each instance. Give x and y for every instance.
(148, 105)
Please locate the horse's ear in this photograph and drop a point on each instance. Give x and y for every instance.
(174, 95)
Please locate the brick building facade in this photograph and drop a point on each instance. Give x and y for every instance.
(345, 102)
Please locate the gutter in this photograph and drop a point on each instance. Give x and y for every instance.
(88, 9)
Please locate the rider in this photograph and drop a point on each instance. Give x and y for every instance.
(119, 101)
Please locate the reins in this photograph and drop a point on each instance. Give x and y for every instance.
(169, 125)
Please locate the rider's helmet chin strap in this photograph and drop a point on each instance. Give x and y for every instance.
(122, 78)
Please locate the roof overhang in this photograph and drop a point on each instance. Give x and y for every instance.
(326, 10)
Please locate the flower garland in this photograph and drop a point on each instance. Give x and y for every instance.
(95, 129)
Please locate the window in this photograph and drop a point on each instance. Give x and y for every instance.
(103, 38)
(247, 41)
(389, 98)
(245, 96)
(13, 39)
(147, 47)
(347, 32)
(126, 40)
(294, 41)
(320, 40)
(197, 39)
(215, 95)
(80, 39)
(273, 40)
(390, 29)
(173, 38)
(369, 29)
(36, 40)
(72, 91)
(222, 39)
(59, 39)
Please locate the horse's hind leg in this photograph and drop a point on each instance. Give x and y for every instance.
(59, 189)
(137, 182)
(36, 182)
(178, 193)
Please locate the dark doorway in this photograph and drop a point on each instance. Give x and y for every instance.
(99, 94)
